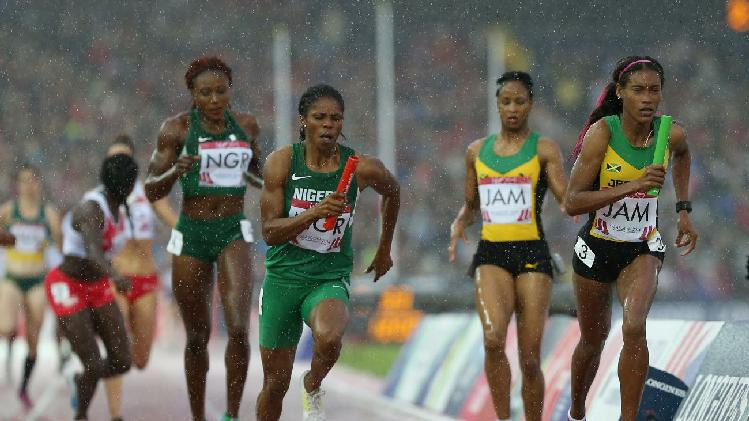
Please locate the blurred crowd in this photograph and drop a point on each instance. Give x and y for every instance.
(73, 78)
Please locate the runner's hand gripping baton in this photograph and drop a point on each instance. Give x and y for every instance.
(343, 184)
(661, 142)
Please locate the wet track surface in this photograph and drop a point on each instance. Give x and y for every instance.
(159, 392)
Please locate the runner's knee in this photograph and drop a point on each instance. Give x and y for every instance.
(593, 342)
(530, 366)
(494, 340)
(119, 362)
(633, 330)
(238, 335)
(197, 340)
(328, 340)
(276, 385)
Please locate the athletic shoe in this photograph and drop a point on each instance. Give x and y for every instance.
(25, 400)
(312, 408)
(226, 417)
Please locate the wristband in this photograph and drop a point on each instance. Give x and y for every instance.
(684, 205)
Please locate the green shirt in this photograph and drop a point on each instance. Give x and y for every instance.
(224, 159)
(315, 254)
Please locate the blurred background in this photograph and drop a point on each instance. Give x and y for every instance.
(73, 77)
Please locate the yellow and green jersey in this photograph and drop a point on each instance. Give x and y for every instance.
(26, 257)
(635, 217)
(511, 190)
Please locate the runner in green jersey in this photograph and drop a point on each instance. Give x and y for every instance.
(308, 268)
(212, 151)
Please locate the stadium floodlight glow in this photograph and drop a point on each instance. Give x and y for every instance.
(737, 15)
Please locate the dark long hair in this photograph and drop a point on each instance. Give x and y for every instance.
(607, 102)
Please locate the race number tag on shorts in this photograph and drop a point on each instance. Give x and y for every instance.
(246, 228)
(630, 219)
(175, 243)
(60, 293)
(505, 200)
(315, 237)
(223, 163)
(584, 253)
(656, 243)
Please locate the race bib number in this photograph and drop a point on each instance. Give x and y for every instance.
(30, 238)
(246, 228)
(175, 243)
(315, 237)
(656, 243)
(61, 294)
(260, 303)
(584, 253)
(223, 163)
(505, 200)
(630, 219)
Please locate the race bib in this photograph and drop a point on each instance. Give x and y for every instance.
(315, 237)
(630, 219)
(656, 243)
(30, 238)
(246, 228)
(505, 200)
(584, 253)
(175, 243)
(223, 163)
(60, 292)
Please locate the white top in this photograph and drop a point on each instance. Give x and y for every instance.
(72, 240)
(141, 215)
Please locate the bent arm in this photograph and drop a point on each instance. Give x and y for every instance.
(55, 226)
(371, 172)
(88, 219)
(162, 173)
(681, 161)
(467, 213)
(551, 161)
(580, 198)
(249, 124)
(164, 212)
(278, 229)
(6, 239)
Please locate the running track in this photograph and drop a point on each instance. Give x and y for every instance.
(158, 392)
